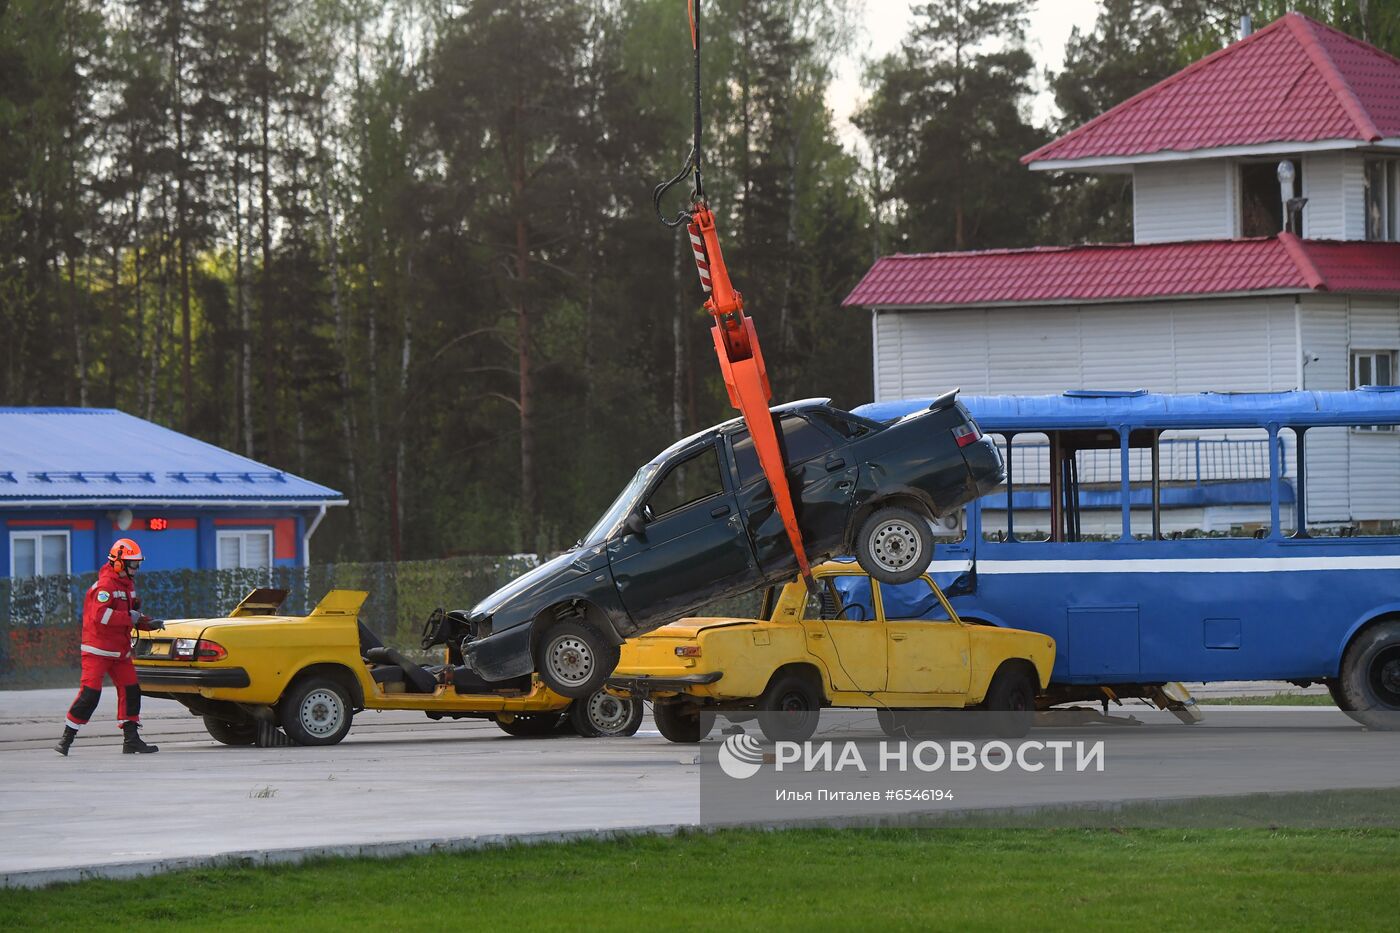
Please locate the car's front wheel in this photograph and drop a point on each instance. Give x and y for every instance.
(789, 709)
(574, 659)
(894, 545)
(603, 715)
(231, 733)
(1011, 701)
(316, 711)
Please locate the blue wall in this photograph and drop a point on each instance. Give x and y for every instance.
(189, 542)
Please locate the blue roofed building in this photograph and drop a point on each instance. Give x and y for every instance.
(72, 480)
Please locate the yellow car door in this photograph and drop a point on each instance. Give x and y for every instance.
(928, 645)
(842, 629)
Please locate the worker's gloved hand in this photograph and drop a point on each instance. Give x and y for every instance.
(136, 602)
(155, 625)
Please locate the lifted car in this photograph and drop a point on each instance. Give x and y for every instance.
(858, 643)
(698, 523)
(255, 670)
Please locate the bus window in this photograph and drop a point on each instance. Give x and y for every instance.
(1350, 475)
(1215, 483)
(1026, 491)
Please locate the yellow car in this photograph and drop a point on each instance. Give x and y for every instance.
(253, 671)
(857, 643)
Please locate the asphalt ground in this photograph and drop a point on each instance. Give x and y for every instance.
(403, 783)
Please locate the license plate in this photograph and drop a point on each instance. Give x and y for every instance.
(160, 649)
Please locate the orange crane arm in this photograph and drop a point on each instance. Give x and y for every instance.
(745, 376)
(736, 341)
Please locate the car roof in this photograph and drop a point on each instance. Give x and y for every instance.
(734, 424)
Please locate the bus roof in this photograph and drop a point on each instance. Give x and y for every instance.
(1087, 408)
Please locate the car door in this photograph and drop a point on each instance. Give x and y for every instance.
(822, 479)
(692, 548)
(928, 647)
(842, 630)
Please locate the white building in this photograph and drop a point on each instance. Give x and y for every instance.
(1211, 295)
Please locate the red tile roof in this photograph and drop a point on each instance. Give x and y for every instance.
(1295, 80)
(1128, 271)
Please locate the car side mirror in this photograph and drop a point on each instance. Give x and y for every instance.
(636, 523)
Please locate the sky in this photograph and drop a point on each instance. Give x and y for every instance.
(887, 21)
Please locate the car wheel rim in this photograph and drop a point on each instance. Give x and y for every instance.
(570, 660)
(321, 713)
(609, 714)
(1385, 677)
(895, 545)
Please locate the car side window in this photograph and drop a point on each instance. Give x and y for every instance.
(843, 426)
(914, 601)
(694, 478)
(801, 440)
(847, 597)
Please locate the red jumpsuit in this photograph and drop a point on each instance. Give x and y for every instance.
(109, 614)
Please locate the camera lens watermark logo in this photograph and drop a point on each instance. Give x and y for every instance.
(740, 756)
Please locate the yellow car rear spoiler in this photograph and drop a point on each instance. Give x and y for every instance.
(265, 601)
(341, 603)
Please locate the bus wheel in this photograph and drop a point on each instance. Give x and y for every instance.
(1370, 681)
(1334, 687)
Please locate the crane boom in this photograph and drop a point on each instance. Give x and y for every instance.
(736, 341)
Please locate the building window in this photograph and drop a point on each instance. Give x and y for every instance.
(239, 550)
(38, 553)
(1382, 194)
(1261, 202)
(1372, 368)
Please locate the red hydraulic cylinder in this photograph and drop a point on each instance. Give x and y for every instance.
(745, 377)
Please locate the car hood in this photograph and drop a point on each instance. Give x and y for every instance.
(567, 566)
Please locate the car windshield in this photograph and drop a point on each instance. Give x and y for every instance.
(617, 512)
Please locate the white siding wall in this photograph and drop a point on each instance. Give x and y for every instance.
(1354, 196)
(1324, 325)
(1183, 201)
(1323, 179)
(1236, 344)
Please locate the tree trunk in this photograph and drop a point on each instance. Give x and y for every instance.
(269, 338)
(342, 338)
(182, 163)
(405, 358)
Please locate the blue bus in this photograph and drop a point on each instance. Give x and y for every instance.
(1145, 574)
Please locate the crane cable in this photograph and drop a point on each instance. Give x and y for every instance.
(693, 160)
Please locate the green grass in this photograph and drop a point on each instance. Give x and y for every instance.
(1275, 699)
(927, 878)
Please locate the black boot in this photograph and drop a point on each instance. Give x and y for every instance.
(132, 744)
(69, 734)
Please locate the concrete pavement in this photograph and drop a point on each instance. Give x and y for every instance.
(402, 783)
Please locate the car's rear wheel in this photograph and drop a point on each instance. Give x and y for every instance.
(1369, 688)
(1011, 701)
(894, 545)
(682, 723)
(316, 711)
(789, 709)
(603, 715)
(574, 659)
(231, 733)
(530, 725)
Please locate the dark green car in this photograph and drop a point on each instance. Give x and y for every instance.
(698, 524)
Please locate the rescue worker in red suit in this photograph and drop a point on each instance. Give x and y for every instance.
(111, 609)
